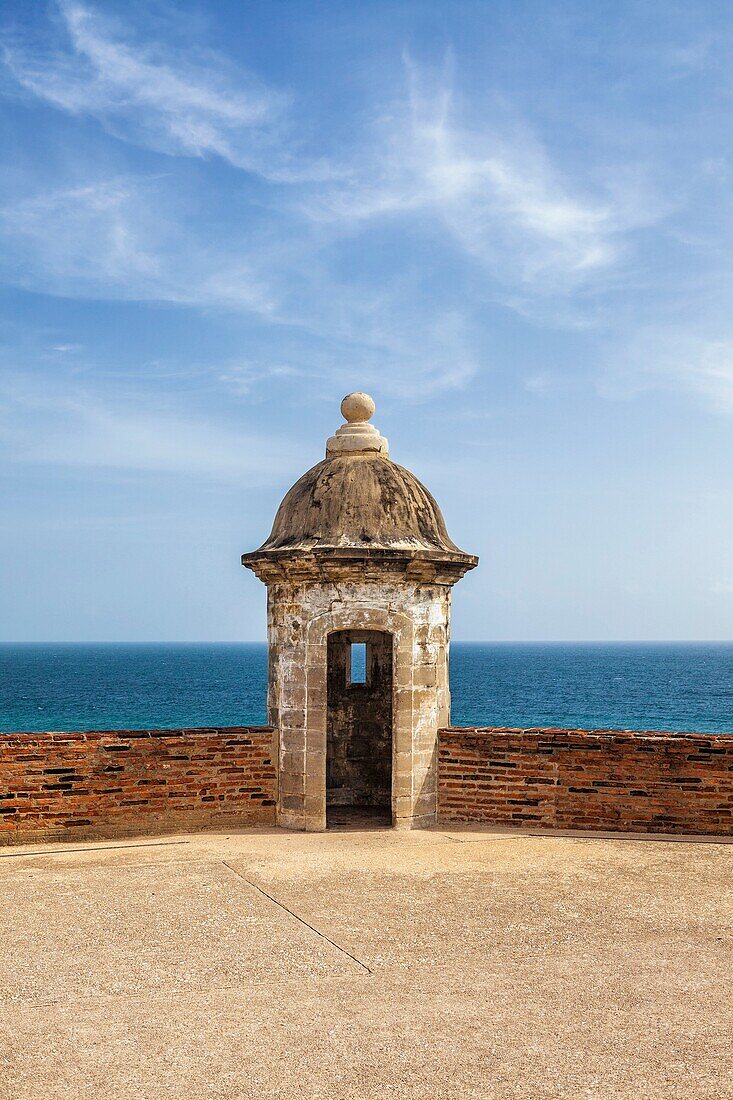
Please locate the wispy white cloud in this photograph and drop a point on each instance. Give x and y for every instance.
(493, 189)
(242, 378)
(722, 588)
(526, 232)
(403, 356)
(500, 197)
(124, 239)
(121, 238)
(675, 359)
(62, 427)
(190, 103)
(407, 356)
(96, 232)
(538, 383)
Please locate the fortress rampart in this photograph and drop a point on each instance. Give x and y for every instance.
(99, 784)
(587, 779)
(95, 785)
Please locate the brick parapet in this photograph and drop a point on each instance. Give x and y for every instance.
(99, 784)
(110, 783)
(586, 779)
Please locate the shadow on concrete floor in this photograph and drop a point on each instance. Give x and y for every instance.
(358, 817)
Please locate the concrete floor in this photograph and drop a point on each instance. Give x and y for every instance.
(356, 963)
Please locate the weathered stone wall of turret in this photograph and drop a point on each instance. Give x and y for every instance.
(301, 615)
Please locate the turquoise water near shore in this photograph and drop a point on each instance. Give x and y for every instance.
(672, 687)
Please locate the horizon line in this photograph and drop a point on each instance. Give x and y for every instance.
(455, 641)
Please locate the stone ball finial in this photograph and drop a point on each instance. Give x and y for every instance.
(357, 436)
(357, 408)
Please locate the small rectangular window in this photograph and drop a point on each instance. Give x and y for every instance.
(358, 663)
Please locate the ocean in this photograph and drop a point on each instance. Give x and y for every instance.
(673, 687)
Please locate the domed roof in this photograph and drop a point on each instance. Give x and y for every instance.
(358, 503)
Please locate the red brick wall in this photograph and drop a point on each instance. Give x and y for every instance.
(128, 782)
(578, 779)
(61, 786)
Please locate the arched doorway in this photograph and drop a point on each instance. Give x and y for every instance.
(359, 727)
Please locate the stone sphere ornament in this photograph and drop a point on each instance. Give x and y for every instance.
(357, 407)
(357, 435)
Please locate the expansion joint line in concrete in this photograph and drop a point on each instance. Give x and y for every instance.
(93, 848)
(292, 914)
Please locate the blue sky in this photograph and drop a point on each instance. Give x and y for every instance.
(511, 222)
